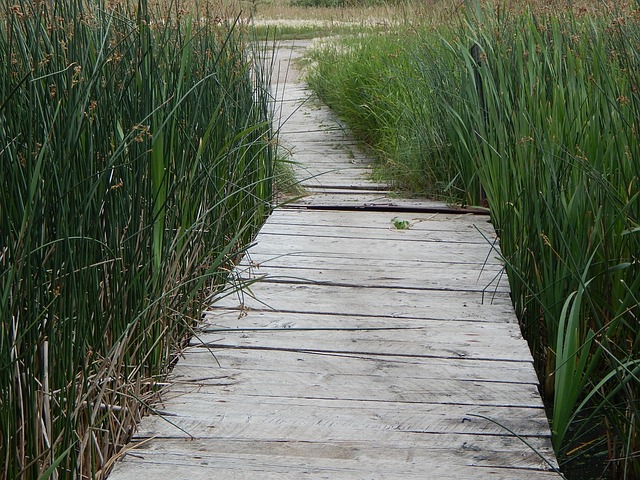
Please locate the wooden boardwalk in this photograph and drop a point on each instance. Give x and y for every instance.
(365, 352)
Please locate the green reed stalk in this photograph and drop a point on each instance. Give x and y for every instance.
(136, 164)
(373, 84)
(556, 159)
(543, 123)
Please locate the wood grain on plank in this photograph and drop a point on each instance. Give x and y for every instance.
(432, 338)
(395, 366)
(358, 389)
(391, 275)
(310, 417)
(393, 302)
(374, 249)
(469, 451)
(427, 221)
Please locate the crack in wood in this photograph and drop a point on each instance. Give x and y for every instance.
(382, 207)
(243, 310)
(213, 345)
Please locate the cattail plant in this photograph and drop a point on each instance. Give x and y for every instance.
(537, 109)
(558, 158)
(136, 157)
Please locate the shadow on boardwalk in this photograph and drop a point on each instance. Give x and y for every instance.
(366, 351)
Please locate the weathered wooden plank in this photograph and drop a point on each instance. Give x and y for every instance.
(375, 249)
(317, 182)
(356, 345)
(265, 417)
(333, 168)
(476, 227)
(356, 388)
(309, 120)
(294, 93)
(279, 417)
(337, 159)
(395, 303)
(330, 145)
(312, 113)
(450, 332)
(480, 232)
(319, 418)
(399, 248)
(377, 200)
(390, 274)
(389, 233)
(312, 177)
(331, 165)
(333, 175)
(468, 451)
(250, 466)
(375, 192)
(470, 448)
(478, 274)
(330, 134)
(419, 267)
(456, 340)
(292, 99)
(425, 368)
(334, 171)
(419, 221)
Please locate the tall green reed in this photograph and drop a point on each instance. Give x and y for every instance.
(373, 83)
(137, 159)
(550, 142)
(555, 148)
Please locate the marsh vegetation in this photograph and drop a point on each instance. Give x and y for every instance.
(136, 162)
(534, 112)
